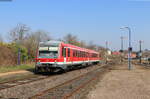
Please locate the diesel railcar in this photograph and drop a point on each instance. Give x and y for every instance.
(56, 56)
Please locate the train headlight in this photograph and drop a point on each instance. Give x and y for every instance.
(55, 61)
(38, 63)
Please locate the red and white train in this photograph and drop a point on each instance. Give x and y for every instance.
(55, 56)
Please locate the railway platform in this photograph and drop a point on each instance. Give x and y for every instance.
(121, 83)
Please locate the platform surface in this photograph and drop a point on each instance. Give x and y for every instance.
(120, 83)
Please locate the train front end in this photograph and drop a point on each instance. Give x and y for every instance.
(48, 57)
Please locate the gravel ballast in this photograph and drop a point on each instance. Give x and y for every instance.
(28, 90)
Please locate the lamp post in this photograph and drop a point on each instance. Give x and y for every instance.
(129, 48)
(121, 42)
(121, 50)
(140, 51)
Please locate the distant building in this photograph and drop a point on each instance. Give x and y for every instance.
(133, 55)
(116, 53)
(109, 52)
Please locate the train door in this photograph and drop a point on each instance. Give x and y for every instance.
(71, 56)
(64, 54)
(68, 55)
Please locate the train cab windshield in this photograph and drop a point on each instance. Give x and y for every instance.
(48, 54)
(48, 50)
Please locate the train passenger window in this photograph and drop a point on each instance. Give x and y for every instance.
(68, 52)
(80, 53)
(74, 53)
(64, 52)
(83, 54)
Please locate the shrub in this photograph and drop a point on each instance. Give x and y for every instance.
(9, 53)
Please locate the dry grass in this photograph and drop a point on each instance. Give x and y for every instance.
(7, 56)
(16, 68)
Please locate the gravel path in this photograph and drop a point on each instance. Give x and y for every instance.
(121, 83)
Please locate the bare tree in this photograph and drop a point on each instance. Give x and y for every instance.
(91, 45)
(71, 39)
(19, 33)
(32, 41)
(41, 35)
(83, 44)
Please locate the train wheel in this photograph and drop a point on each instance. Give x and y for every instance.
(36, 70)
(59, 70)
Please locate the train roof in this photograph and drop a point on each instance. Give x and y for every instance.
(52, 42)
(79, 48)
(56, 43)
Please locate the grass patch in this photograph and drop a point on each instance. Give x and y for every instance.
(4, 69)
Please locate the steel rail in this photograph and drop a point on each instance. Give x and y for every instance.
(67, 82)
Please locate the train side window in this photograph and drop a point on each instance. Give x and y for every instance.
(82, 54)
(79, 53)
(73, 53)
(64, 52)
(68, 52)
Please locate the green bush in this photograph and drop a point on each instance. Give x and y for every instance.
(9, 53)
(24, 52)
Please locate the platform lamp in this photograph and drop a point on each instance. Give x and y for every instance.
(129, 48)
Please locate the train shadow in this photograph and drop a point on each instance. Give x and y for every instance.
(42, 73)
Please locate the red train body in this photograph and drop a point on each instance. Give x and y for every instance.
(54, 56)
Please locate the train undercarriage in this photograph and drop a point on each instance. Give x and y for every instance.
(54, 68)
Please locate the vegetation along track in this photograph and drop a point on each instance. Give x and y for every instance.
(69, 88)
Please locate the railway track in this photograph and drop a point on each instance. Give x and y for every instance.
(13, 83)
(36, 87)
(70, 87)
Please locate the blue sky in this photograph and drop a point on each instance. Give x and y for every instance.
(90, 20)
